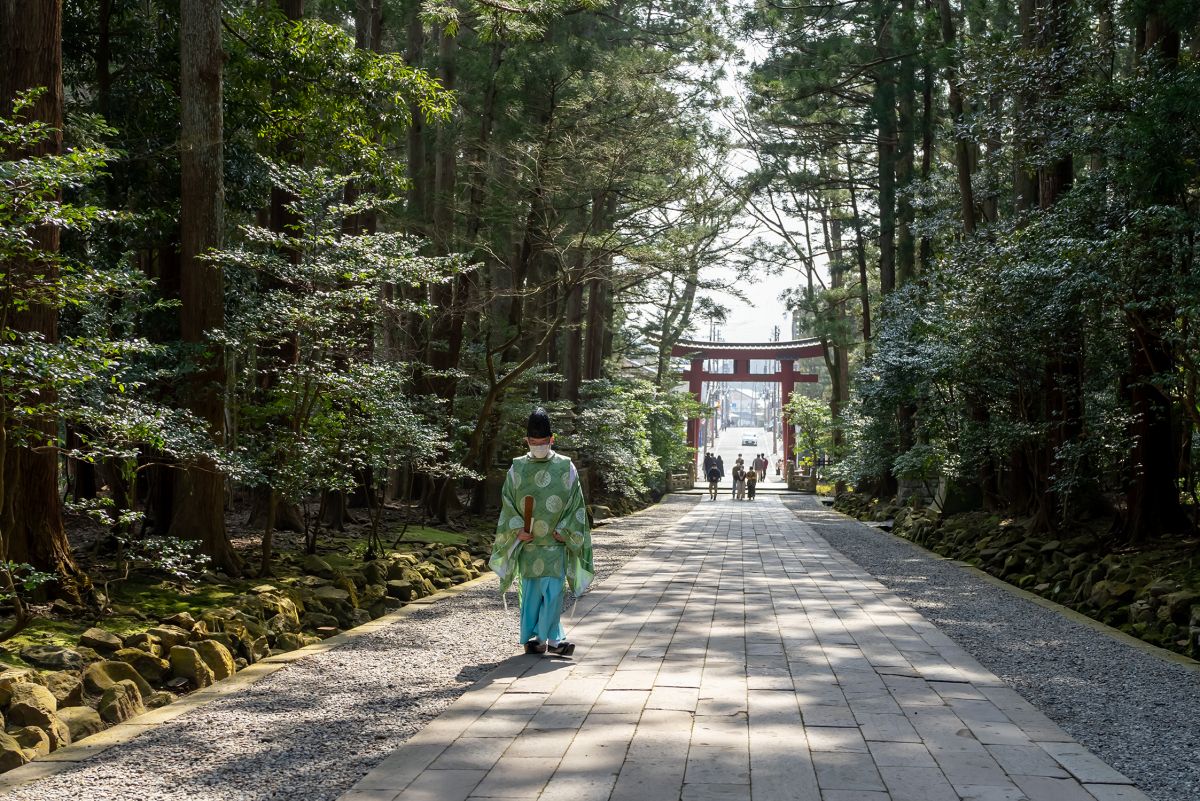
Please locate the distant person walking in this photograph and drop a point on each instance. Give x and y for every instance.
(721, 466)
(751, 483)
(714, 480)
(739, 482)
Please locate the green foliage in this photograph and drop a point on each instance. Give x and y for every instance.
(316, 409)
(815, 423)
(630, 434)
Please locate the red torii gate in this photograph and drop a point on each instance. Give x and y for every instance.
(786, 353)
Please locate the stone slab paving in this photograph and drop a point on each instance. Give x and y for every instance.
(741, 657)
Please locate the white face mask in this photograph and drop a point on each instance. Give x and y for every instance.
(539, 451)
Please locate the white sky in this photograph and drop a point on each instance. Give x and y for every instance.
(753, 319)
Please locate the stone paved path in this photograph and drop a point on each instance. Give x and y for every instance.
(741, 657)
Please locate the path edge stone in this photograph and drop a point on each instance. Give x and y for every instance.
(1063, 611)
(95, 745)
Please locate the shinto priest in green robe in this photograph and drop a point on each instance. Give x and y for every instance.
(559, 553)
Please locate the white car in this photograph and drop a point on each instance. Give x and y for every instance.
(750, 439)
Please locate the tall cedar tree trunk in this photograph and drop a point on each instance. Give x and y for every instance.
(907, 43)
(885, 116)
(31, 522)
(336, 503)
(906, 106)
(200, 491)
(445, 335)
(962, 147)
(597, 343)
(269, 512)
(1152, 494)
(838, 362)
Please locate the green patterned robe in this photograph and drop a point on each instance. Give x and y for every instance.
(558, 505)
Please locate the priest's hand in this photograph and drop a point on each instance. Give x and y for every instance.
(525, 536)
(559, 537)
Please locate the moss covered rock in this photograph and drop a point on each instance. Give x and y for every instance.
(81, 721)
(121, 701)
(33, 739)
(187, 663)
(145, 641)
(170, 635)
(66, 687)
(100, 640)
(153, 669)
(53, 657)
(217, 657)
(12, 754)
(34, 705)
(102, 675)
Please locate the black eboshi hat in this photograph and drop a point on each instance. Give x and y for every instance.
(538, 426)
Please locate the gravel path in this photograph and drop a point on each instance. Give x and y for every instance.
(1137, 712)
(314, 728)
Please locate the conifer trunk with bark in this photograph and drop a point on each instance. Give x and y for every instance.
(199, 508)
(31, 521)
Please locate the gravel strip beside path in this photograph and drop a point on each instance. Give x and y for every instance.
(314, 728)
(1135, 711)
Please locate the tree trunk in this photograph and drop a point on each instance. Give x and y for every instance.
(907, 42)
(886, 136)
(1152, 494)
(200, 490)
(31, 522)
(962, 146)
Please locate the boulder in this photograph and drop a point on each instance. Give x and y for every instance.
(153, 669)
(102, 675)
(359, 617)
(290, 642)
(81, 721)
(1177, 606)
(34, 705)
(317, 566)
(33, 739)
(121, 701)
(400, 589)
(317, 620)
(12, 755)
(225, 639)
(26, 696)
(375, 572)
(187, 663)
(281, 613)
(1160, 587)
(182, 620)
(100, 640)
(157, 699)
(1107, 593)
(217, 657)
(66, 687)
(144, 641)
(11, 676)
(89, 655)
(53, 657)
(372, 594)
(329, 594)
(259, 648)
(170, 635)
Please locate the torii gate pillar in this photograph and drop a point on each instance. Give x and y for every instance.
(696, 387)
(787, 382)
